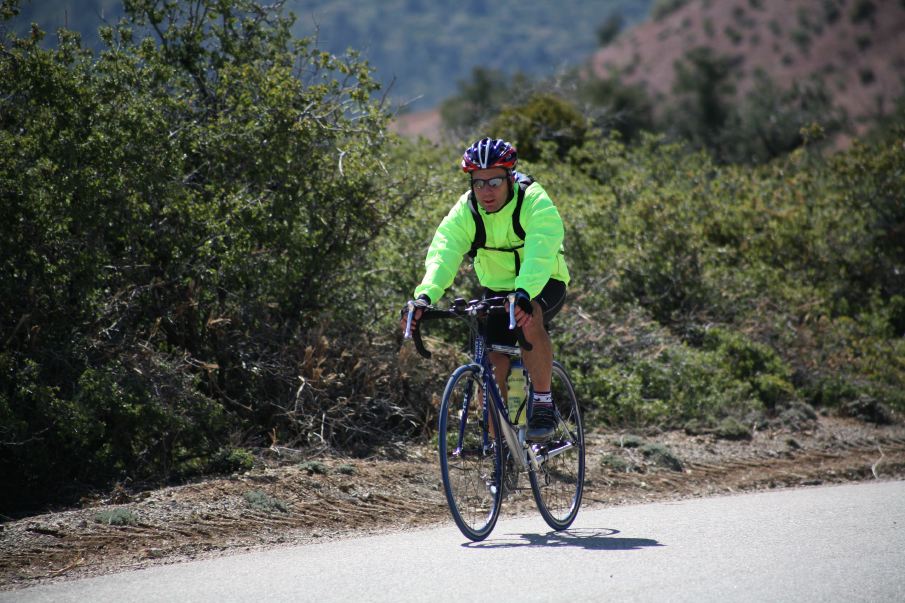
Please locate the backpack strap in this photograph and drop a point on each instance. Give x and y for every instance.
(480, 235)
(524, 181)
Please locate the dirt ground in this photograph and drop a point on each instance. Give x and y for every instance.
(287, 501)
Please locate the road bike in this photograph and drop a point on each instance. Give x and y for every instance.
(482, 443)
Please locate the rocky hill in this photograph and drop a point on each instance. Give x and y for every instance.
(856, 47)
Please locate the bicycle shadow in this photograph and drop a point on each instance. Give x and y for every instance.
(600, 539)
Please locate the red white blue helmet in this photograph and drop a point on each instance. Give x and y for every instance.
(489, 153)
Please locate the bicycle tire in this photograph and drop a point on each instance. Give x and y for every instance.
(559, 484)
(470, 457)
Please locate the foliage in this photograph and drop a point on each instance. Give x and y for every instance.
(231, 460)
(179, 212)
(615, 106)
(661, 455)
(708, 291)
(261, 501)
(704, 91)
(731, 428)
(116, 517)
(661, 9)
(543, 118)
(610, 29)
(704, 110)
(312, 467)
(481, 97)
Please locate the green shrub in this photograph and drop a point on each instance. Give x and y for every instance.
(616, 463)
(731, 428)
(116, 517)
(261, 501)
(629, 441)
(313, 467)
(543, 118)
(172, 231)
(230, 460)
(661, 455)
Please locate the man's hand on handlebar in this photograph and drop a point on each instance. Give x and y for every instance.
(420, 304)
(524, 311)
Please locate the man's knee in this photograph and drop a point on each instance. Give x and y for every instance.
(537, 321)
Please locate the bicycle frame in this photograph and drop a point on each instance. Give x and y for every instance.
(514, 435)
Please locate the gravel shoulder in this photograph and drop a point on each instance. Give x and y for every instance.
(287, 501)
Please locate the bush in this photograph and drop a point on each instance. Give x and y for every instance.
(312, 467)
(231, 460)
(661, 455)
(179, 215)
(543, 118)
(731, 428)
(616, 463)
(261, 501)
(116, 517)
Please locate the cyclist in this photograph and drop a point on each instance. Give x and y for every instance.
(532, 265)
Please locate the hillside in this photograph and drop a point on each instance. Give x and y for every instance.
(855, 46)
(419, 49)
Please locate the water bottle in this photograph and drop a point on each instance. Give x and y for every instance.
(518, 392)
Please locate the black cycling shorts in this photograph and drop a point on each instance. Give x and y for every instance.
(551, 298)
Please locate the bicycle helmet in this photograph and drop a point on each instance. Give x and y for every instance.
(489, 153)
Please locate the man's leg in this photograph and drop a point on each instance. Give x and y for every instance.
(539, 361)
(501, 371)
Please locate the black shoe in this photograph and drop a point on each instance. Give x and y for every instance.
(541, 425)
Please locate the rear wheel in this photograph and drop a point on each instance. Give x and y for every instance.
(470, 455)
(558, 485)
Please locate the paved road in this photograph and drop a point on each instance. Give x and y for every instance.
(840, 543)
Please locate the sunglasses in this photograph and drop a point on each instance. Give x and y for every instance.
(478, 183)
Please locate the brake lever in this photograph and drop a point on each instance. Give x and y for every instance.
(416, 334)
(523, 343)
(408, 321)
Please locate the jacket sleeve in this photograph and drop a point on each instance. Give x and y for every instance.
(543, 240)
(451, 242)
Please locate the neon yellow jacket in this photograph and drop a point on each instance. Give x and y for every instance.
(541, 258)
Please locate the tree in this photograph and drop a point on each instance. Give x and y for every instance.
(610, 28)
(543, 118)
(481, 97)
(704, 92)
(178, 211)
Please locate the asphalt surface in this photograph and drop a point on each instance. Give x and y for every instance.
(837, 543)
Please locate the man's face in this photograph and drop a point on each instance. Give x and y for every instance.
(491, 198)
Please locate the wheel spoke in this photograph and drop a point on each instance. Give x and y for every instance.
(468, 457)
(558, 485)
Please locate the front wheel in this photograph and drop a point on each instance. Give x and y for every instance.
(470, 455)
(558, 484)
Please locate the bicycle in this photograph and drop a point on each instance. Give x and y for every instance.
(480, 441)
